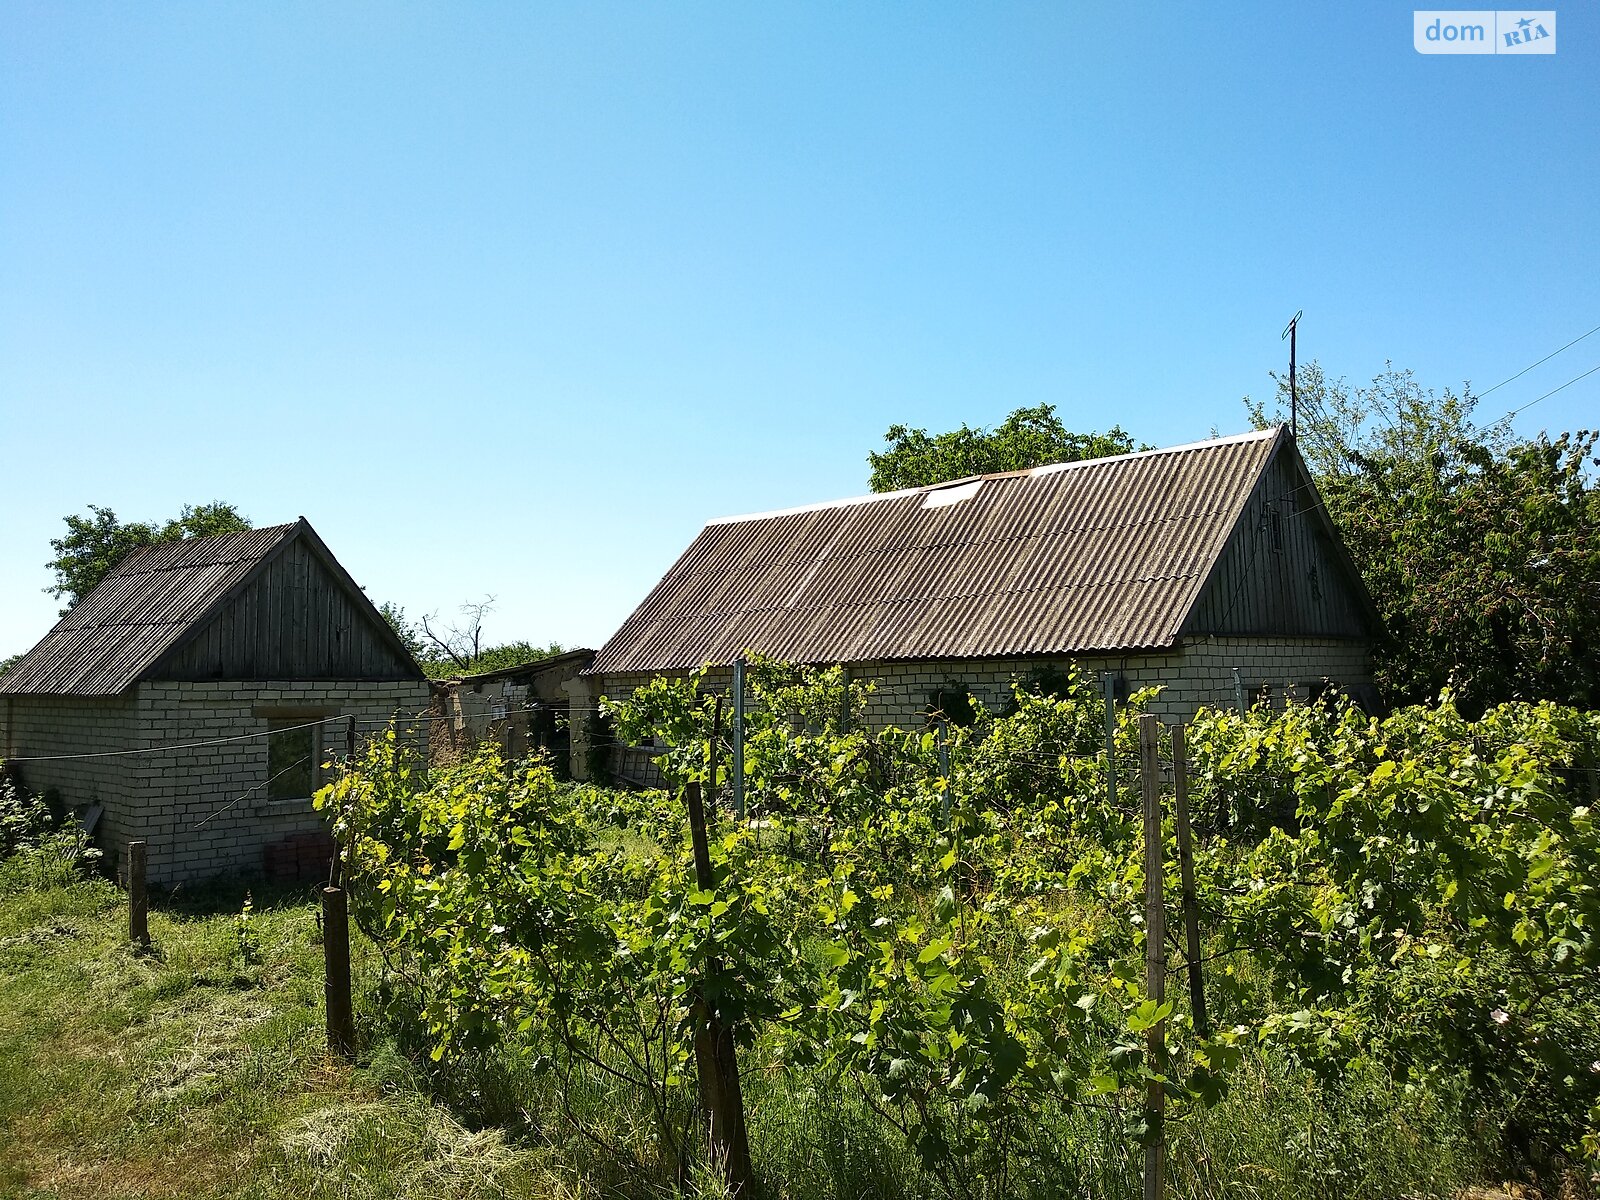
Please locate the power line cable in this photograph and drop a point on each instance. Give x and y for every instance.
(300, 762)
(243, 737)
(1543, 360)
(1553, 391)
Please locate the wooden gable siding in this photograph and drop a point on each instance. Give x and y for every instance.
(1281, 573)
(294, 620)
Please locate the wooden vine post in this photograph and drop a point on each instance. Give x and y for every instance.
(336, 863)
(1155, 957)
(138, 896)
(716, 1063)
(738, 739)
(1108, 688)
(713, 749)
(336, 973)
(944, 773)
(1191, 903)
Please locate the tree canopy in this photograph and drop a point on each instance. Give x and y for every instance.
(96, 543)
(1029, 437)
(1481, 549)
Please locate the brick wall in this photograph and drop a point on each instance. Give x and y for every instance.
(1198, 673)
(205, 810)
(79, 725)
(1282, 667)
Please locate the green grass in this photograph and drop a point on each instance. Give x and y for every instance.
(197, 1070)
(190, 1072)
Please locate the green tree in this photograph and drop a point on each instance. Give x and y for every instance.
(513, 654)
(1029, 437)
(96, 543)
(408, 633)
(1481, 549)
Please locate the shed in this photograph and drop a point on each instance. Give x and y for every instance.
(524, 708)
(1176, 567)
(194, 694)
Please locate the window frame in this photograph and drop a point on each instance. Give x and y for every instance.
(279, 718)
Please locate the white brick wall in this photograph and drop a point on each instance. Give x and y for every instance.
(203, 810)
(76, 725)
(1197, 674)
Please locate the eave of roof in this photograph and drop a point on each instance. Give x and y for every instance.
(538, 667)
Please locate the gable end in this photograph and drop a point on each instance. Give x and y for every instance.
(296, 615)
(1284, 571)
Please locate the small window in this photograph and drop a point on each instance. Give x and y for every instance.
(952, 703)
(956, 494)
(294, 751)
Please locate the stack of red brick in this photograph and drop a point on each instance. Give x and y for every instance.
(298, 858)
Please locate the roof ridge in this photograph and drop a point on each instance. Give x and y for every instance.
(191, 542)
(1232, 439)
(1271, 431)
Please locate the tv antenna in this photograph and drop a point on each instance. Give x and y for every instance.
(1294, 398)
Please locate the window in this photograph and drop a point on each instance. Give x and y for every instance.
(952, 703)
(294, 752)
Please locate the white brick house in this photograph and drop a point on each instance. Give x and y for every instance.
(193, 695)
(1174, 567)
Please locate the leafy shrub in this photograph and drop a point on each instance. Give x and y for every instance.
(36, 852)
(55, 859)
(1433, 903)
(1409, 904)
(24, 817)
(523, 923)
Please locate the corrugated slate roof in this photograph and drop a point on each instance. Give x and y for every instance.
(1097, 556)
(538, 666)
(140, 609)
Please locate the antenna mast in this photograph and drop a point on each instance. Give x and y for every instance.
(1294, 397)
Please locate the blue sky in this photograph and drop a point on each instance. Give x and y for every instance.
(508, 299)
